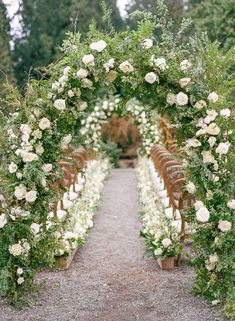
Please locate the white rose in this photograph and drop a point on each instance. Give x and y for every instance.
(225, 112)
(208, 157)
(225, 226)
(99, 45)
(20, 192)
(86, 83)
(231, 204)
(212, 141)
(161, 63)
(166, 242)
(213, 97)
(222, 148)
(61, 214)
(20, 280)
(185, 65)
(158, 251)
(198, 205)
(170, 99)
(181, 99)
(191, 188)
(193, 142)
(203, 215)
(12, 168)
(184, 82)
(214, 258)
(200, 104)
(29, 157)
(126, 67)
(55, 86)
(71, 93)
(35, 228)
(60, 104)
(3, 220)
(15, 249)
(39, 149)
(151, 77)
(88, 60)
(19, 271)
(148, 43)
(47, 168)
(66, 141)
(82, 73)
(44, 123)
(63, 80)
(31, 196)
(213, 129)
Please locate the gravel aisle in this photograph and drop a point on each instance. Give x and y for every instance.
(111, 279)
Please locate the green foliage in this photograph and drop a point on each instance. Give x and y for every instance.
(112, 151)
(217, 18)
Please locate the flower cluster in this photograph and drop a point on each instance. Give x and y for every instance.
(78, 218)
(161, 226)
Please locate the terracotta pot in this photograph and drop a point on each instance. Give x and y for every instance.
(166, 264)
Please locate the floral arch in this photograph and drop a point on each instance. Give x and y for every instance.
(187, 82)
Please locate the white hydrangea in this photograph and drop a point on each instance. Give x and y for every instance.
(126, 67)
(15, 249)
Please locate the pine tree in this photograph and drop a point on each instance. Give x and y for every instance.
(6, 71)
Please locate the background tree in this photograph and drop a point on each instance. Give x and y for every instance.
(6, 69)
(216, 17)
(45, 23)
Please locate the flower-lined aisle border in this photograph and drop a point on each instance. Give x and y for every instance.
(189, 82)
(161, 232)
(78, 219)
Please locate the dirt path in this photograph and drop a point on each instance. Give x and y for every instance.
(111, 279)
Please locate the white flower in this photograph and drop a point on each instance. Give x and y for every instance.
(198, 205)
(214, 258)
(44, 123)
(66, 70)
(29, 157)
(15, 249)
(213, 129)
(71, 93)
(191, 188)
(55, 86)
(31, 196)
(126, 67)
(200, 104)
(3, 220)
(60, 104)
(20, 192)
(88, 60)
(185, 65)
(170, 99)
(20, 280)
(148, 43)
(83, 105)
(19, 271)
(222, 148)
(225, 226)
(158, 251)
(184, 82)
(151, 77)
(39, 149)
(161, 63)
(212, 141)
(86, 83)
(35, 228)
(231, 204)
(193, 142)
(215, 302)
(61, 214)
(211, 115)
(47, 168)
(166, 242)
(12, 168)
(203, 215)
(109, 65)
(66, 140)
(181, 99)
(25, 129)
(63, 80)
(82, 73)
(99, 45)
(225, 112)
(208, 157)
(213, 97)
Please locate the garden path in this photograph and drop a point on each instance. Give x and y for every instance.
(111, 279)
